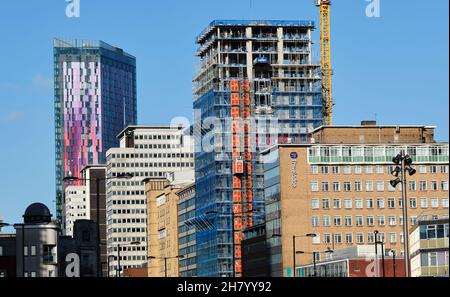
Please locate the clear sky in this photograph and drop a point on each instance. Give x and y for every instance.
(393, 68)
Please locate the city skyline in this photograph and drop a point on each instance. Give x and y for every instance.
(25, 116)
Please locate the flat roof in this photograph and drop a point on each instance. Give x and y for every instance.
(248, 23)
(371, 126)
(276, 146)
(156, 127)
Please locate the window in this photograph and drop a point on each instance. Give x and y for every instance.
(359, 238)
(324, 169)
(433, 169)
(434, 202)
(347, 203)
(338, 238)
(358, 169)
(325, 187)
(326, 221)
(381, 220)
(358, 204)
(347, 169)
(359, 221)
(369, 203)
(33, 250)
(392, 220)
(424, 202)
(337, 221)
(412, 185)
(336, 186)
(337, 203)
(413, 220)
(380, 186)
(433, 185)
(358, 186)
(315, 221)
(413, 202)
(315, 203)
(25, 250)
(380, 203)
(316, 239)
(369, 220)
(393, 237)
(432, 259)
(314, 169)
(370, 238)
(335, 169)
(379, 169)
(422, 169)
(369, 186)
(444, 169)
(347, 187)
(348, 221)
(431, 231)
(423, 185)
(369, 169)
(325, 203)
(348, 238)
(445, 202)
(444, 185)
(327, 238)
(314, 187)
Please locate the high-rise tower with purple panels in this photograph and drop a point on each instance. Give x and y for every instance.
(95, 99)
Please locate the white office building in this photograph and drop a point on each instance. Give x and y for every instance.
(76, 207)
(145, 151)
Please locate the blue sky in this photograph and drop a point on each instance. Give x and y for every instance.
(381, 65)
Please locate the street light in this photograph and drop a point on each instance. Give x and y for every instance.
(293, 246)
(119, 246)
(97, 181)
(393, 260)
(376, 252)
(403, 163)
(165, 261)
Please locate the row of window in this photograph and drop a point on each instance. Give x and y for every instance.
(359, 238)
(368, 169)
(151, 165)
(359, 221)
(157, 146)
(380, 203)
(433, 231)
(159, 137)
(128, 202)
(126, 240)
(128, 211)
(125, 221)
(150, 155)
(126, 230)
(371, 186)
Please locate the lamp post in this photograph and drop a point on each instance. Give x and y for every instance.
(393, 260)
(376, 252)
(294, 249)
(165, 261)
(403, 163)
(97, 185)
(314, 259)
(119, 247)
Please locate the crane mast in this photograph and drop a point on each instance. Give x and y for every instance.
(327, 98)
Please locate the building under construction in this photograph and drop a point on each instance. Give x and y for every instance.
(258, 81)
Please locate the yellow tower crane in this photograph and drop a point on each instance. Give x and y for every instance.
(327, 98)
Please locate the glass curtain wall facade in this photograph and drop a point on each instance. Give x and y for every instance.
(95, 99)
(285, 87)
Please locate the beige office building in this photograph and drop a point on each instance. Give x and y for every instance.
(338, 188)
(162, 210)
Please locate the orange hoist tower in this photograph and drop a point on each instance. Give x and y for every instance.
(242, 165)
(327, 98)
